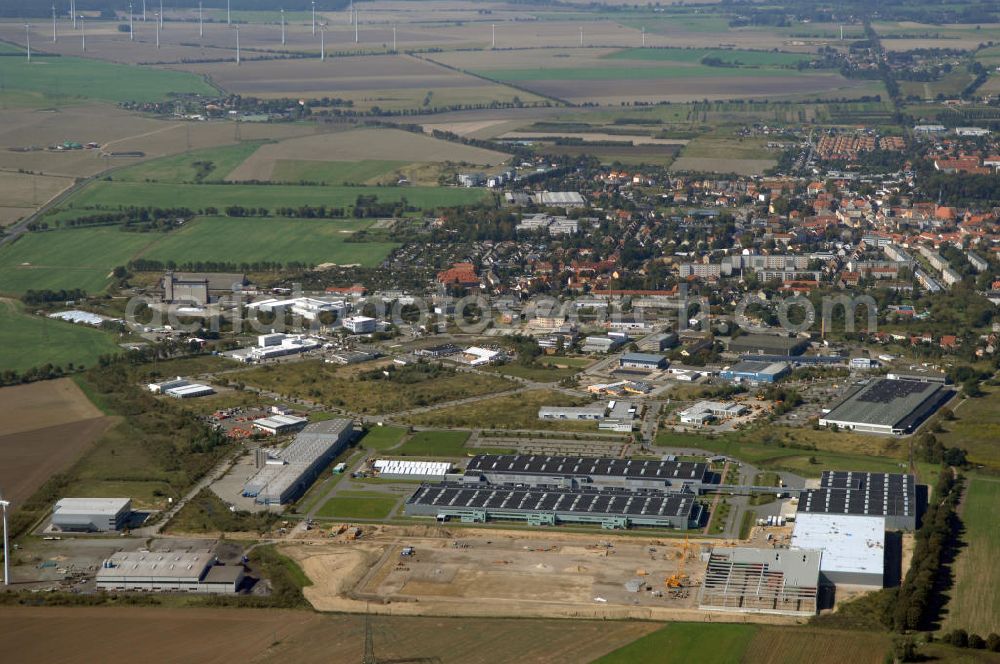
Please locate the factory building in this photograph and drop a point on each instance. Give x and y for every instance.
(642, 361)
(168, 572)
(887, 406)
(404, 469)
(359, 324)
(563, 471)
(750, 371)
(189, 391)
(853, 547)
(278, 425)
(276, 344)
(705, 411)
(775, 581)
(767, 344)
(91, 515)
(200, 288)
(285, 474)
(892, 496)
(612, 508)
(594, 412)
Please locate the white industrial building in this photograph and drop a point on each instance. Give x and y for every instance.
(164, 571)
(476, 356)
(405, 469)
(309, 308)
(159, 388)
(705, 411)
(91, 515)
(285, 474)
(853, 547)
(359, 324)
(274, 345)
(189, 391)
(277, 425)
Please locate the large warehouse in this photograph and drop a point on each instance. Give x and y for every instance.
(750, 371)
(778, 581)
(91, 515)
(887, 406)
(288, 472)
(853, 547)
(612, 508)
(168, 572)
(767, 344)
(859, 493)
(540, 470)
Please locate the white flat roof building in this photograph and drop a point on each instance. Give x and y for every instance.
(280, 424)
(188, 391)
(853, 546)
(91, 514)
(405, 469)
(157, 388)
(167, 571)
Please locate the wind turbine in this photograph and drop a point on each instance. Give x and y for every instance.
(314, 17)
(393, 37)
(161, 14)
(83, 34)
(157, 30)
(229, 16)
(54, 24)
(143, 11)
(27, 37)
(644, 36)
(581, 35)
(322, 42)
(355, 26)
(4, 504)
(237, 28)
(201, 21)
(494, 44)
(131, 34)
(72, 10)
(282, 26)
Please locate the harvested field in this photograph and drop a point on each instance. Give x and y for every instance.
(777, 646)
(220, 635)
(46, 427)
(361, 144)
(720, 165)
(333, 77)
(588, 137)
(24, 190)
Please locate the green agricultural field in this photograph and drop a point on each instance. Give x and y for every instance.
(333, 172)
(686, 642)
(435, 444)
(975, 604)
(96, 79)
(252, 239)
(199, 196)
(33, 341)
(382, 438)
(181, 167)
(75, 258)
(358, 505)
(728, 56)
(679, 70)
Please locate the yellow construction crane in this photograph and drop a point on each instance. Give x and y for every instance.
(679, 578)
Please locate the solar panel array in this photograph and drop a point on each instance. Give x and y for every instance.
(861, 493)
(587, 466)
(607, 502)
(886, 391)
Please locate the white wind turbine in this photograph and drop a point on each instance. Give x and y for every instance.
(4, 504)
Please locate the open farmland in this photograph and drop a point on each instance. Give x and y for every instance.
(975, 604)
(251, 240)
(365, 171)
(24, 192)
(78, 258)
(89, 79)
(46, 426)
(114, 194)
(183, 167)
(683, 642)
(357, 391)
(392, 145)
(40, 340)
(580, 75)
(731, 57)
(817, 646)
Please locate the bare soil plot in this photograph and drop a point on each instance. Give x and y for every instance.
(46, 426)
(361, 144)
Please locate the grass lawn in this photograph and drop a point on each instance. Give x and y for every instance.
(976, 428)
(341, 387)
(333, 172)
(252, 239)
(32, 341)
(694, 55)
(75, 258)
(686, 642)
(200, 196)
(356, 507)
(97, 79)
(435, 444)
(382, 438)
(181, 168)
(515, 411)
(975, 604)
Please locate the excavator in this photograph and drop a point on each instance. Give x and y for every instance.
(679, 578)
